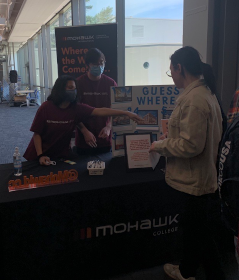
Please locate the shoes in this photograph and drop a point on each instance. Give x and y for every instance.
(174, 272)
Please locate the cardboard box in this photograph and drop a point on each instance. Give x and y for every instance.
(22, 98)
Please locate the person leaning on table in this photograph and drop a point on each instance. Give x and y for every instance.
(191, 148)
(57, 118)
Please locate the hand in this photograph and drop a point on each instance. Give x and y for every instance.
(105, 132)
(152, 147)
(134, 117)
(44, 160)
(164, 136)
(90, 138)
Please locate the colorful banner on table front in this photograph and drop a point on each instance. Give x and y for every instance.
(31, 182)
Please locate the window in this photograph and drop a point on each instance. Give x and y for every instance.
(67, 17)
(23, 64)
(26, 66)
(54, 67)
(100, 11)
(153, 31)
(36, 59)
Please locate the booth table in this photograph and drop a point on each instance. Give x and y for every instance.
(22, 96)
(91, 229)
(26, 91)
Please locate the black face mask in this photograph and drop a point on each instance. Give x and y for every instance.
(71, 95)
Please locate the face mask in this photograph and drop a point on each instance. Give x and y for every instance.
(71, 95)
(97, 70)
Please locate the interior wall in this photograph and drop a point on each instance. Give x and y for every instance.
(225, 49)
(212, 27)
(196, 25)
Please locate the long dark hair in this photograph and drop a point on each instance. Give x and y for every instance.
(190, 60)
(58, 94)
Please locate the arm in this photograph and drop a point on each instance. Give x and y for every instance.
(105, 131)
(38, 146)
(192, 136)
(38, 143)
(104, 112)
(109, 124)
(89, 137)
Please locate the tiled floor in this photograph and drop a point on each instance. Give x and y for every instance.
(157, 273)
(15, 123)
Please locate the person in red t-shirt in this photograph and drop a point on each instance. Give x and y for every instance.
(94, 135)
(57, 118)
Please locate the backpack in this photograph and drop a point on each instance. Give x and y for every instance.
(228, 176)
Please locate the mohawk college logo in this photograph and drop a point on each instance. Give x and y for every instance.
(78, 38)
(169, 222)
(83, 233)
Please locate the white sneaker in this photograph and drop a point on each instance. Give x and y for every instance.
(174, 272)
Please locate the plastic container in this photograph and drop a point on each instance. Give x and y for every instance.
(96, 167)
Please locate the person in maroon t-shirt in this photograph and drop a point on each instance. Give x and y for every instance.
(94, 135)
(57, 118)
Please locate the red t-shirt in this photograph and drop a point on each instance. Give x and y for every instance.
(95, 94)
(55, 126)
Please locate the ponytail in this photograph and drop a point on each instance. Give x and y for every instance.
(210, 81)
(209, 77)
(190, 60)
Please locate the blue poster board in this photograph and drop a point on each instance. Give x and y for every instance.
(151, 103)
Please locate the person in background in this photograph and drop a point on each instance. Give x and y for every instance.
(94, 135)
(234, 108)
(232, 114)
(191, 148)
(57, 118)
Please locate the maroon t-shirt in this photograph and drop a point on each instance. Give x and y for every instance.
(55, 126)
(95, 94)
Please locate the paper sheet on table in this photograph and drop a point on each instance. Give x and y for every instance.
(154, 158)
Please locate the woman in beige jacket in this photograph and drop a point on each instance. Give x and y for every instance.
(191, 147)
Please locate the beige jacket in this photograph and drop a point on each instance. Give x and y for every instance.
(194, 133)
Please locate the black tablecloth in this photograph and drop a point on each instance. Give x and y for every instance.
(97, 227)
(115, 174)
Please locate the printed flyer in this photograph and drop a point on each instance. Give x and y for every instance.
(137, 150)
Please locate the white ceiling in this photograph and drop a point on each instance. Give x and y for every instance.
(32, 16)
(6, 12)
